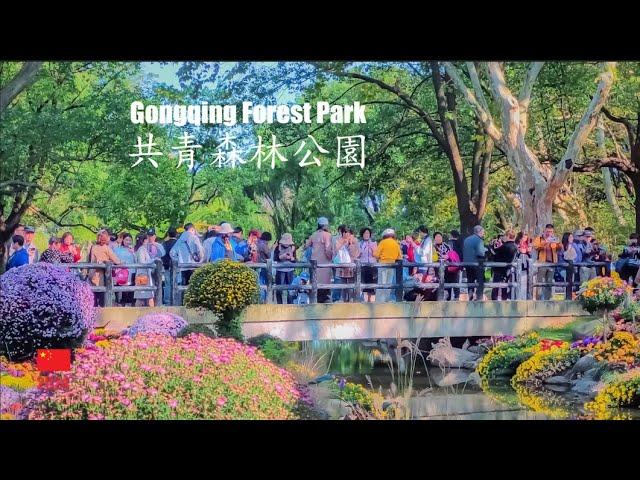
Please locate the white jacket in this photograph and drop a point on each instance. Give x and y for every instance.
(424, 253)
(185, 247)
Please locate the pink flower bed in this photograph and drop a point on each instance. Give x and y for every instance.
(158, 377)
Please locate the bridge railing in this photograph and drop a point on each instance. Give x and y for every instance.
(107, 286)
(521, 281)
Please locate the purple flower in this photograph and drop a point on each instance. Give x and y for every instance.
(43, 306)
(342, 383)
(161, 323)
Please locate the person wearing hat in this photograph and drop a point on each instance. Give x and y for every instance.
(387, 251)
(188, 249)
(225, 245)
(156, 250)
(300, 297)
(29, 246)
(285, 251)
(322, 252)
(243, 245)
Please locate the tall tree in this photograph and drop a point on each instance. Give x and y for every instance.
(537, 184)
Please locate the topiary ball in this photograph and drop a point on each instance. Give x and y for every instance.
(43, 306)
(222, 286)
(164, 323)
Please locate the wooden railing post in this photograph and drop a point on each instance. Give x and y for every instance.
(441, 268)
(530, 278)
(480, 288)
(313, 280)
(516, 269)
(175, 293)
(358, 280)
(569, 275)
(399, 281)
(159, 277)
(108, 283)
(269, 281)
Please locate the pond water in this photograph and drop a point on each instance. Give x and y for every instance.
(441, 394)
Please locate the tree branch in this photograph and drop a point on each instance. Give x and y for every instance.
(25, 77)
(582, 130)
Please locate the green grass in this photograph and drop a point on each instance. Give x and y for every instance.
(562, 333)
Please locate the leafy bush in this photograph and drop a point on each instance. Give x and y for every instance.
(622, 390)
(273, 348)
(43, 306)
(224, 287)
(623, 347)
(360, 397)
(603, 293)
(157, 377)
(506, 356)
(164, 323)
(546, 363)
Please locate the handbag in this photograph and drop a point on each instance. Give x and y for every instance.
(342, 256)
(142, 280)
(121, 276)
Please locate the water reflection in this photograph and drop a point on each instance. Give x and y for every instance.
(441, 394)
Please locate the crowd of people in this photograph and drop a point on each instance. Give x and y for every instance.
(222, 241)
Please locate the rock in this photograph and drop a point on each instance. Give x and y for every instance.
(558, 388)
(557, 380)
(471, 365)
(443, 355)
(585, 329)
(474, 378)
(477, 349)
(587, 387)
(583, 364)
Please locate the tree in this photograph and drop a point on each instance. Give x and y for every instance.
(65, 115)
(537, 184)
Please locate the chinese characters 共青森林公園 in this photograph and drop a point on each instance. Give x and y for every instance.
(350, 152)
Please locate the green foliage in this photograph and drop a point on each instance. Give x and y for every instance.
(506, 356)
(273, 348)
(224, 287)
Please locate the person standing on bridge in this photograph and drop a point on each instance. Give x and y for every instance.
(388, 251)
(322, 252)
(547, 246)
(473, 249)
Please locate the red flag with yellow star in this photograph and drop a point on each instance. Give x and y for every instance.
(53, 359)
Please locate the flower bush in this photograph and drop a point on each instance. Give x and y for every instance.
(154, 376)
(359, 396)
(623, 348)
(622, 390)
(546, 363)
(224, 287)
(544, 401)
(508, 355)
(43, 306)
(164, 323)
(603, 293)
(586, 344)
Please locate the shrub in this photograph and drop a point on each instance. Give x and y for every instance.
(224, 287)
(273, 348)
(622, 390)
(358, 396)
(623, 347)
(603, 293)
(506, 356)
(546, 363)
(164, 323)
(43, 306)
(157, 377)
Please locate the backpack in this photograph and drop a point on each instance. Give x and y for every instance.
(453, 256)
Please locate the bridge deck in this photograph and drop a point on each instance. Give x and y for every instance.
(353, 321)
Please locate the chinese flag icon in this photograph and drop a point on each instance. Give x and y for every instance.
(53, 360)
